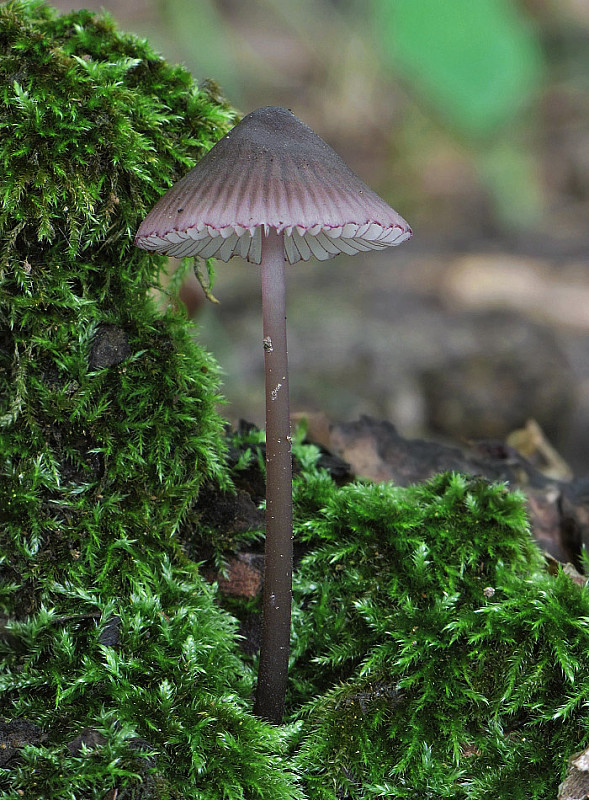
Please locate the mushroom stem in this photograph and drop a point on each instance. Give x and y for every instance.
(274, 653)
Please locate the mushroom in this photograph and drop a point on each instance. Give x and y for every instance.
(271, 191)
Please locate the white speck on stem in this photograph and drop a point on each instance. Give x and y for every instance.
(275, 391)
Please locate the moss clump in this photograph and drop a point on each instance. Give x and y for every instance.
(141, 693)
(106, 406)
(379, 546)
(436, 656)
(116, 663)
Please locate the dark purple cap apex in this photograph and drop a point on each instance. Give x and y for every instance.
(270, 171)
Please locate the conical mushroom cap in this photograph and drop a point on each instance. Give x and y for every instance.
(270, 171)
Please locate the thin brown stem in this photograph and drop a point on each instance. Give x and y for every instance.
(273, 667)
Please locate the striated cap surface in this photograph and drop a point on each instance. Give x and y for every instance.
(270, 171)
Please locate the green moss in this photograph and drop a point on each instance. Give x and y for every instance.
(116, 659)
(151, 682)
(108, 426)
(95, 125)
(436, 656)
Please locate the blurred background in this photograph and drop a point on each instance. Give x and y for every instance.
(472, 120)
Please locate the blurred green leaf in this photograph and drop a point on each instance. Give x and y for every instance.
(475, 61)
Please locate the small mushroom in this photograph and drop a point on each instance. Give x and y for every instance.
(271, 191)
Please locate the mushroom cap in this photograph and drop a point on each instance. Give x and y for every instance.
(270, 171)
